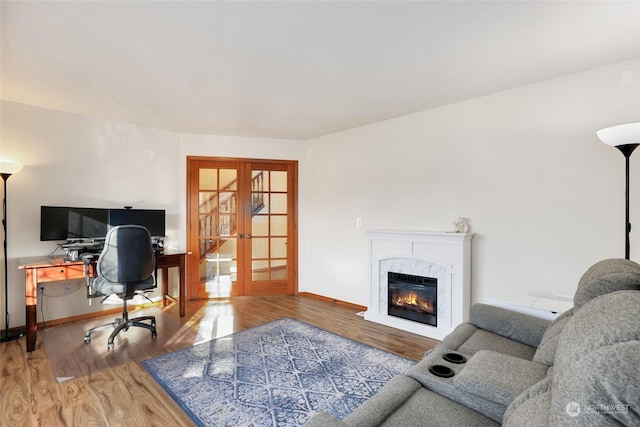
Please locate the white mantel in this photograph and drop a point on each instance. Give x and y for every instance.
(442, 255)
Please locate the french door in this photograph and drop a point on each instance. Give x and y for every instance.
(242, 227)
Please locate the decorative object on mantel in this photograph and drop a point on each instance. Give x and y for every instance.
(6, 170)
(462, 225)
(625, 138)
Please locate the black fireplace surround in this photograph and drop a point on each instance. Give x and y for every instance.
(413, 298)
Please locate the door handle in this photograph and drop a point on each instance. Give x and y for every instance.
(248, 236)
(239, 236)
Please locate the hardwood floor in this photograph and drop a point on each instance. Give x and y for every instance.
(127, 396)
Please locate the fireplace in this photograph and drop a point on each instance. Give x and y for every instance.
(444, 259)
(413, 297)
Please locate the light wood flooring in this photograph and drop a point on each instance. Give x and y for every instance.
(127, 396)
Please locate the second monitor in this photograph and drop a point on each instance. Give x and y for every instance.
(152, 219)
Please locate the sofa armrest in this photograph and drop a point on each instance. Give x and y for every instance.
(444, 386)
(375, 410)
(498, 377)
(324, 419)
(509, 324)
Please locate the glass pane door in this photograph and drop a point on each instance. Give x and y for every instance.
(218, 220)
(242, 227)
(269, 235)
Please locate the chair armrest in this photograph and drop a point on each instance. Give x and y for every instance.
(509, 324)
(498, 377)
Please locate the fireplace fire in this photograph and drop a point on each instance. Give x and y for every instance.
(413, 297)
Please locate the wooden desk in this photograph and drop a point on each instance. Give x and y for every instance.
(46, 270)
(166, 261)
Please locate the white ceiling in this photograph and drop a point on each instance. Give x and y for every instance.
(295, 69)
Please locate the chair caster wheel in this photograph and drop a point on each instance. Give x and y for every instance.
(110, 346)
(87, 340)
(154, 334)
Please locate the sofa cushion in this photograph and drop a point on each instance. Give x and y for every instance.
(530, 408)
(607, 276)
(403, 402)
(426, 408)
(498, 377)
(516, 326)
(485, 340)
(460, 334)
(597, 364)
(546, 351)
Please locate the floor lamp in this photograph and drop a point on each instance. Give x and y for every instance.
(625, 138)
(6, 170)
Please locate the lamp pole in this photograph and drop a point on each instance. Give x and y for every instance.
(626, 150)
(625, 138)
(13, 168)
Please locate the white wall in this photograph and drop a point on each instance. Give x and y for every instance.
(544, 195)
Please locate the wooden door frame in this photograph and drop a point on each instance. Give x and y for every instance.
(191, 229)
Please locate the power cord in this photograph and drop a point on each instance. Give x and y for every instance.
(53, 252)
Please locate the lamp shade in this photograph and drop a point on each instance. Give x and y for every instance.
(620, 135)
(10, 168)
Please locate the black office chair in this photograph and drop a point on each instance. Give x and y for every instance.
(125, 267)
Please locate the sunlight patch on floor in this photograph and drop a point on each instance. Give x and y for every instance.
(217, 320)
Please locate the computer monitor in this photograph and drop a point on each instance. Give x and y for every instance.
(69, 223)
(53, 222)
(87, 223)
(152, 219)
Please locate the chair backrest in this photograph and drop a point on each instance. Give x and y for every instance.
(127, 256)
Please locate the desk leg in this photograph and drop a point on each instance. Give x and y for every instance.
(31, 292)
(180, 262)
(183, 285)
(32, 328)
(165, 286)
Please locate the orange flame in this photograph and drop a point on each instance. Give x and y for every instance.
(412, 300)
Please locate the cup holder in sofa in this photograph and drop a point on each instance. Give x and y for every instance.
(454, 358)
(441, 371)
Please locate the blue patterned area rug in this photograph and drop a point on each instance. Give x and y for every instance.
(276, 374)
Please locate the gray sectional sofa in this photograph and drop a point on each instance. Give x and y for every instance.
(507, 368)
